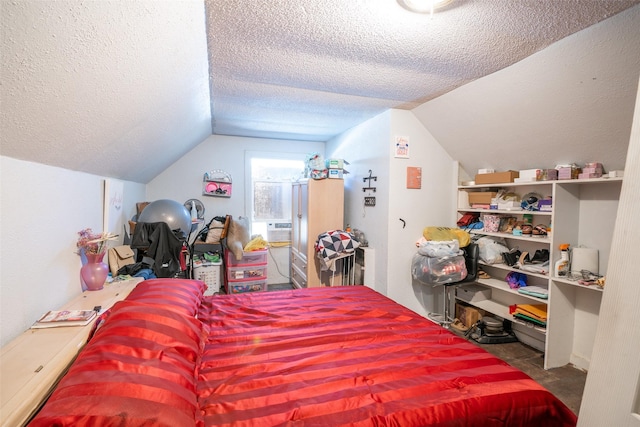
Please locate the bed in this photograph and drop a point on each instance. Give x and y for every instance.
(169, 356)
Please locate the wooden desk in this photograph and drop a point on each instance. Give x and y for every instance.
(31, 364)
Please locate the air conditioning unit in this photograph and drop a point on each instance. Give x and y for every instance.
(279, 232)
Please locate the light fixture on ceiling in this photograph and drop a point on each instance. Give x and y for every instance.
(423, 6)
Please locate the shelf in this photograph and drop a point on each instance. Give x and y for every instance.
(505, 184)
(505, 267)
(505, 211)
(216, 188)
(575, 283)
(543, 240)
(216, 183)
(588, 181)
(502, 311)
(583, 213)
(503, 286)
(557, 181)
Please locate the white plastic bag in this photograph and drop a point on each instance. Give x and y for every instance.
(439, 249)
(490, 249)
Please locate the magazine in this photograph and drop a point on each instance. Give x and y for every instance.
(58, 318)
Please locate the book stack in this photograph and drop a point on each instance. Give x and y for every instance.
(61, 318)
(532, 313)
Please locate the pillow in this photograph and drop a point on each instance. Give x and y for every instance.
(140, 368)
(215, 231)
(238, 236)
(179, 295)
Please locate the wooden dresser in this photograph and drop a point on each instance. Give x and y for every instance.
(318, 206)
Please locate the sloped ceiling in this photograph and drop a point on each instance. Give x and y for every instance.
(123, 89)
(113, 88)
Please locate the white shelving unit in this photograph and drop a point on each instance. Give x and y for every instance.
(583, 214)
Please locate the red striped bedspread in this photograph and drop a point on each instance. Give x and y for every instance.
(351, 356)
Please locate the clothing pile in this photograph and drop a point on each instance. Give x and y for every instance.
(333, 244)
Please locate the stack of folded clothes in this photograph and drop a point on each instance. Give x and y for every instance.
(534, 313)
(536, 291)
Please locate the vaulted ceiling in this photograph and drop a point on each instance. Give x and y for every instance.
(124, 89)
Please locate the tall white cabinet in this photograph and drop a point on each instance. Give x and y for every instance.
(583, 215)
(317, 207)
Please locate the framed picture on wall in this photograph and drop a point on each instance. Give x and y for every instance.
(401, 147)
(113, 213)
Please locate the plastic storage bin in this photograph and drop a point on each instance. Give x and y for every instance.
(248, 258)
(247, 286)
(211, 274)
(247, 272)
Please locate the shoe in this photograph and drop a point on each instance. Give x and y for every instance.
(539, 230)
(541, 256)
(483, 275)
(511, 258)
(457, 324)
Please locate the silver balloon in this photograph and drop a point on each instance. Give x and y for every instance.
(173, 213)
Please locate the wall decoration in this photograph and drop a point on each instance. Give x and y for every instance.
(402, 147)
(113, 210)
(216, 183)
(369, 179)
(414, 177)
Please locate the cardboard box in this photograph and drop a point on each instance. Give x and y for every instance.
(529, 174)
(468, 315)
(481, 197)
(497, 177)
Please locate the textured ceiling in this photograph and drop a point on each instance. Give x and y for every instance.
(125, 88)
(312, 69)
(113, 88)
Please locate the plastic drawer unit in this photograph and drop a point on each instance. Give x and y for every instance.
(248, 274)
(252, 272)
(241, 287)
(248, 258)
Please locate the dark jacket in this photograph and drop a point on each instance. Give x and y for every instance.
(161, 244)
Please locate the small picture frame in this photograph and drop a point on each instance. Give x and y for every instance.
(401, 147)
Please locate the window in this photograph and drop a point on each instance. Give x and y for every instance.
(270, 193)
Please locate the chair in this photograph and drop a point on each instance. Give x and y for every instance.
(470, 253)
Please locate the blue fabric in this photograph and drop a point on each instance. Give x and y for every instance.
(145, 273)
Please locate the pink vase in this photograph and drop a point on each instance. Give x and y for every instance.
(94, 273)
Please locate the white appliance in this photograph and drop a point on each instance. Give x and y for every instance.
(279, 231)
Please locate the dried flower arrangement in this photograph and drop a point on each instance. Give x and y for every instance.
(93, 243)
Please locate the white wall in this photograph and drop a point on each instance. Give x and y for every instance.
(570, 102)
(431, 205)
(365, 148)
(371, 146)
(183, 179)
(42, 209)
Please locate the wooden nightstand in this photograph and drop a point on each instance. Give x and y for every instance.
(31, 364)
